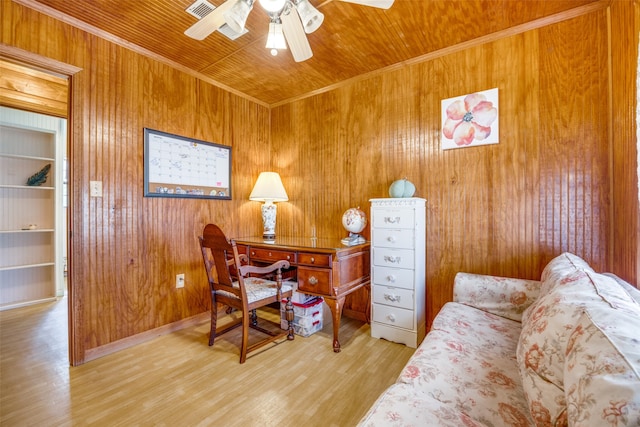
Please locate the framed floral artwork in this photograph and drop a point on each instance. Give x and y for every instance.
(470, 120)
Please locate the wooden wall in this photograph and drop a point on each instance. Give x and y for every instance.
(503, 209)
(125, 249)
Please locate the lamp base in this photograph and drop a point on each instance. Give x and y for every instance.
(269, 237)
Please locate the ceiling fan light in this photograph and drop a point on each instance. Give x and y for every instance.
(275, 38)
(236, 17)
(311, 17)
(272, 6)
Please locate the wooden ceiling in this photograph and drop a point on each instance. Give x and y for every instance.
(353, 41)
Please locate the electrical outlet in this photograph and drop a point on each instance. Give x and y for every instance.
(180, 280)
(95, 188)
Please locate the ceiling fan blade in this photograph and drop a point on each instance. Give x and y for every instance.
(382, 4)
(211, 22)
(295, 35)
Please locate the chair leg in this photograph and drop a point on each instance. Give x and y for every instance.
(214, 319)
(289, 315)
(245, 335)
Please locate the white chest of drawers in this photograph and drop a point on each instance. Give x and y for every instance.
(398, 285)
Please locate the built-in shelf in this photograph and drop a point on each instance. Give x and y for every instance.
(20, 267)
(37, 230)
(21, 156)
(31, 259)
(27, 187)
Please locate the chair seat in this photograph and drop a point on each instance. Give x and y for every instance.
(259, 288)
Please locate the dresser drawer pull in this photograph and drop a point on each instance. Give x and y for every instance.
(391, 318)
(391, 220)
(391, 239)
(313, 280)
(313, 260)
(288, 257)
(391, 278)
(253, 253)
(392, 259)
(392, 298)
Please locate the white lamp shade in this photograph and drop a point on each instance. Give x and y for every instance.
(237, 15)
(269, 188)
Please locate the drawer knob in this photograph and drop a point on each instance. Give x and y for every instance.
(391, 239)
(253, 253)
(313, 260)
(313, 280)
(392, 298)
(270, 254)
(392, 259)
(288, 257)
(391, 318)
(391, 278)
(391, 220)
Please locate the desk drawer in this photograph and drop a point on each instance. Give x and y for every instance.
(314, 280)
(398, 317)
(316, 260)
(269, 255)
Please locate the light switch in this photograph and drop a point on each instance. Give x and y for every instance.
(95, 188)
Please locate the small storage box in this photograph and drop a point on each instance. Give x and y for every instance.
(307, 316)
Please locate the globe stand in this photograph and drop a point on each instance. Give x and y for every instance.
(353, 239)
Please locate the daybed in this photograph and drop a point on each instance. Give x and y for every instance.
(564, 350)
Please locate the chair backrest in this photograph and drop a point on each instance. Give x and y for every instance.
(221, 261)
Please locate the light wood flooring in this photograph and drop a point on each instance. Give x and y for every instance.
(177, 380)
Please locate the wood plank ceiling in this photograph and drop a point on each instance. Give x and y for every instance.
(354, 40)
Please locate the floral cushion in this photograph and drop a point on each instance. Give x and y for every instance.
(548, 324)
(468, 362)
(504, 296)
(558, 268)
(602, 370)
(401, 405)
(258, 288)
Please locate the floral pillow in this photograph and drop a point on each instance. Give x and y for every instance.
(558, 268)
(545, 334)
(602, 370)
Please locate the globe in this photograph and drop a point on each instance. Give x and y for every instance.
(354, 221)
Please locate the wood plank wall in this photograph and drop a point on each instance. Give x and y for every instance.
(504, 209)
(126, 249)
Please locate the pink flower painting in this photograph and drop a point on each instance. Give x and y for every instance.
(470, 120)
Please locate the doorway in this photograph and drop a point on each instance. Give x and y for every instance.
(43, 86)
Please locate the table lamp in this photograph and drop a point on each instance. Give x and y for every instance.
(269, 189)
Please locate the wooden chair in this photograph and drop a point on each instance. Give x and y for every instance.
(243, 287)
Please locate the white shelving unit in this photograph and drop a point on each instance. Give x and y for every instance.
(398, 274)
(32, 219)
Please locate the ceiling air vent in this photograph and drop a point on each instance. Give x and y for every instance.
(202, 8)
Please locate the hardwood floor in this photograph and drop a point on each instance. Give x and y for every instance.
(177, 379)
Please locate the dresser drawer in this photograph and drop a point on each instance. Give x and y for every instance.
(314, 280)
(398, 317)
(394, 218)
(399, 258)
(316, 260)
(395, 297)
(396, 277)
(269, 255)
(393, 238)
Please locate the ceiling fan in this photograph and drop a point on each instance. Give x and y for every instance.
(290, 21)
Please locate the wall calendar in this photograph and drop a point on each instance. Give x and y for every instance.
(176, 166)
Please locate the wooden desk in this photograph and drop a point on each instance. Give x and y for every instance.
(323, 267)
